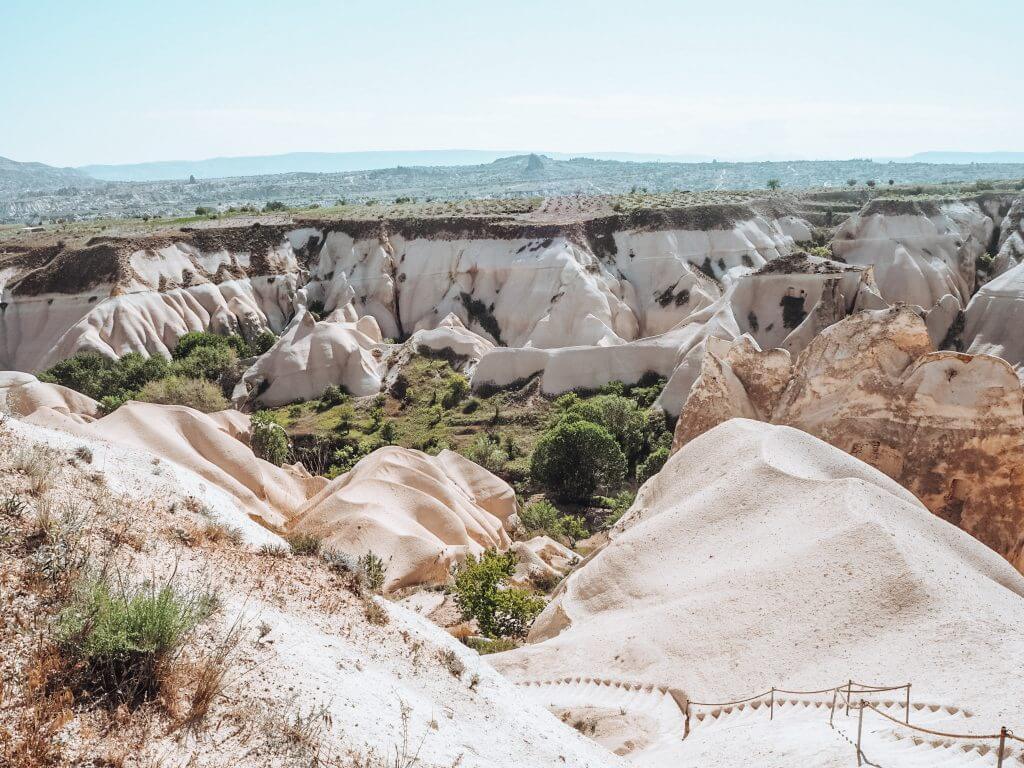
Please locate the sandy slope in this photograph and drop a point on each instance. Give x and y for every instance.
(762, 556)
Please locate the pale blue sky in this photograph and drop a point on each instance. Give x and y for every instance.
(122, 81)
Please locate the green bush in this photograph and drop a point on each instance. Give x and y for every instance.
(97, 376)
(541, 517)
(178, 390)
(121, 640)
(619, 415)
(206, 362)
(486, 450)
(263, 342)
(574, 459)
(194, 340)
(652, 464)
(481, 593)
(373, 570)
(455, 391)
(268, 439)
(332, 396)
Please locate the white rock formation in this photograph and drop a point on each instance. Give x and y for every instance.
(111, 299)
(22, 394)
(421, 514)
(314, 681)
(947, 426)
(763, 556)
(785, 303)
(995, 316)
(542, 559)
(311, 356)
(919, 250)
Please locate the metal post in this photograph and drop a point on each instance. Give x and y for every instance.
(832, 709)
(907, 720)
(686, 724)
(860, 726)
(1002, 743)
(849, 692)
(771, 705)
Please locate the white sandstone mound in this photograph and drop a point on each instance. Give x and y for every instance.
(994, 317)
(542, 559)
(311, 356)
(143, 297)
(785, 303)
(544, 291)
(22, 394)
(762, 556)
(919, 251)
(1011, 240)
(451, 335)
(947, 426)
(420, 514)
(201, 445)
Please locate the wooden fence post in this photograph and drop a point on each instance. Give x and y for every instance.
(686, 725)
(849, 692)
(832, 709)
(860, 727)
(1002, 743)
(771, 705)
(907, 719)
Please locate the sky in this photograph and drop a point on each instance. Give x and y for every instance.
(116, 82)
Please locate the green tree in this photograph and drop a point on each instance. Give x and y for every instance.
(482, 593)
(652, 464)
(268, 439)
(773, 184)
(573, 459)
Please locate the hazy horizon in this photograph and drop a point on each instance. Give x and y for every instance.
(746, 81)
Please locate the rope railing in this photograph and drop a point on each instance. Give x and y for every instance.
(846, 690)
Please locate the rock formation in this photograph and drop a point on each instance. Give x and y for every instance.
(311, 356)
(420, 514)
(763, 556)
(947, 426)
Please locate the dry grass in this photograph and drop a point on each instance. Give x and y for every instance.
(211, 676)
(375, 613)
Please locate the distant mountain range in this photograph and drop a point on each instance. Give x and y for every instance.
(338, 162)
(18, 177)
(961, 158)
(40, 176)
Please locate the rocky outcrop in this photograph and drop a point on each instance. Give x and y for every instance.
(420, 514)
(920, 251)
(947, 426)
(763, 556)
(784, 303)
(311, 356)
(994, 317)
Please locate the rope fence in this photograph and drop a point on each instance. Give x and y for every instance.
(847, 691)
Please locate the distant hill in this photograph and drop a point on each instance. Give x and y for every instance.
(338, 162)
(18, 177)
(963, 158)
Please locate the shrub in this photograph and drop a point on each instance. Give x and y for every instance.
(275, 205)
(263, 342)
(121, 640)
(373, 570)
(481, 593)
(542, 517)
(455, 391)
(574, 459)
(619, 415)
(206, 362)
(332, 396)
(268, 439)
(195, 340)
(773, 184)
(652, 464)
(196, 393)
(304, 543)
(100, 377)
(487, 451)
